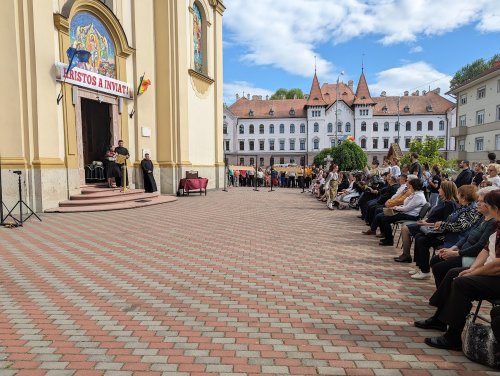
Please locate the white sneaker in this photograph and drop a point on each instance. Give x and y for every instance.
(421, 275)
(413, 271)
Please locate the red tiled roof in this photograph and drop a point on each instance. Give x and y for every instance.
(262, 108)
(345, 93)
(315, 96)
(417, 105)
(362, 92)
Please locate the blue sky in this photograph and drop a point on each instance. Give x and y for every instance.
(405, 44)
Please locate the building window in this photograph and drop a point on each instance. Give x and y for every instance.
(242, 161)
(348, 127)
(271, 128)
(406, 109)
(407, 143)
(251, 145)
(242, 145)
(242, 129)
(332, 143)
(441, 139)
(261, 162)
(226, 144)
(363, 143)
(316, 144)
(375, 127)
(498, 86)
(339, 127)
(462, 121)
(408, 126)
(498, 112)
(396, 140)
(375, 143)
(419, 126)
(363, 126)
(197, 39)
(330, 128)
(261, 129)
(461, 145)
(302, 128)
(292, 144)
(441, 125)
(282, 160)
(252, 161)
(271, 144)
(479, 144)
(302, 144)
(261, 145)
(396, 126)
(224, 129)
(386, 126)
(430, 126)
(463, 99)
(316, 127)
(480, 117)
(481, 92)
(292, 160)
(292, 128)
(251, 129)
(363, 112)
(497, 142)
(282, 144)
(282, 128)
(386, 143)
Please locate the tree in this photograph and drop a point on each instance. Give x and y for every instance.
(279, 94)
(472, 70)
(348, 156)
(288, 94)
(428, 151)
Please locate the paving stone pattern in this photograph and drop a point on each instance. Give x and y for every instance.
(237, 283)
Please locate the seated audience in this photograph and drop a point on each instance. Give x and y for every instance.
(448, 203)
(462, 286)
(466, 250)
(446, 233)
(478, 177)
(492, 178)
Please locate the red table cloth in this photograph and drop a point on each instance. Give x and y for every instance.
(193, 185)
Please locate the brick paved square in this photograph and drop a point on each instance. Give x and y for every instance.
(242, 282)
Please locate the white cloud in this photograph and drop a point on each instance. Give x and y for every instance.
(410, 77)
(416, 49)
(230, 90)
(284, 33)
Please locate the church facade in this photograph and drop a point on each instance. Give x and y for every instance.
(258, 130)
(56, 122)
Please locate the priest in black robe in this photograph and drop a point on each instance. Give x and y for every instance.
(120, 149)
(147, 174)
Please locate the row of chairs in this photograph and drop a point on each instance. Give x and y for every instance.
(94, 171)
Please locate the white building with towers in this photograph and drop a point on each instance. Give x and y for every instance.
(257, 129)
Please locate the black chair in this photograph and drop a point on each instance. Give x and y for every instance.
(494, 303)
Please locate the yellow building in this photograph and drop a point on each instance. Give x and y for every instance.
(178, 120)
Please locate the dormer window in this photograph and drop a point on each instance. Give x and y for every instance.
(291, 112)
(250, 113)
(384, 109)
(271, 112)
(407, 108)
(429, 108)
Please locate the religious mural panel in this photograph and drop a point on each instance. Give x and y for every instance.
(197, 39)
(88, 33)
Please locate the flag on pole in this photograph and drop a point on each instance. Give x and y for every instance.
(76, 57)
(143, 85)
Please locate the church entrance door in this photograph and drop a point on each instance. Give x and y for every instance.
(97, 130)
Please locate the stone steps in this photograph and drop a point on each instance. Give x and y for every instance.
(102, 198)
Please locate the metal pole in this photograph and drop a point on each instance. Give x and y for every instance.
(399, 124)
(255, 179)
(20, 201)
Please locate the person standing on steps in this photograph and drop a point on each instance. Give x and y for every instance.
(120, 149)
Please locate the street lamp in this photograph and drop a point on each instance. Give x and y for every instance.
(399, 124)
(336, 109)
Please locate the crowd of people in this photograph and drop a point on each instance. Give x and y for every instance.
(452, 225)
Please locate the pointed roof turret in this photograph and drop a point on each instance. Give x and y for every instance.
(315, 96)
(362, 92)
